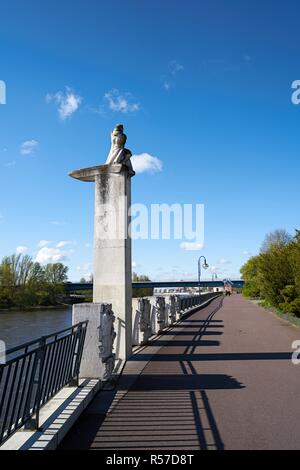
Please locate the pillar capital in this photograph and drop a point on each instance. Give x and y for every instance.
(90, 174)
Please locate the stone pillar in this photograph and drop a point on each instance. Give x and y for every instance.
(112, 247)
(171, 309)
(141, 324)
(112, 252)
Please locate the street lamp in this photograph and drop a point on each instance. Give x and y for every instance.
(204, 266)
(214, 277)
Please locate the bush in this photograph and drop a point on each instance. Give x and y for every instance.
(274, 275)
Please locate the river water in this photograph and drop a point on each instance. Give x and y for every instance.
(19, 327)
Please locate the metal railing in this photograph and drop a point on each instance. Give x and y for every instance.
(34, 372)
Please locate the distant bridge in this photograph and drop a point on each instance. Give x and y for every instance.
(238, 284)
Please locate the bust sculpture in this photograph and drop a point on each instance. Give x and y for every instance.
(118, 153)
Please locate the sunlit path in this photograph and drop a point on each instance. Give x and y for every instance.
(220, 379)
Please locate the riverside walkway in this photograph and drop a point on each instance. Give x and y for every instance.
(220, 379)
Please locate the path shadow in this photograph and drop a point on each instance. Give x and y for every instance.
(259, 356)
(186, 382)
(190, 333)
(192, 342)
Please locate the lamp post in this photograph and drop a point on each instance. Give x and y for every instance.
(214, 277)
(204, 266)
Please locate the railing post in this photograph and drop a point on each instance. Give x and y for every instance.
(145, 323)
(74, 379)
(33, 423)
(172, 309)
(160, 307)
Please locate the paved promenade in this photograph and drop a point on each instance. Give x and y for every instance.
(220, 379)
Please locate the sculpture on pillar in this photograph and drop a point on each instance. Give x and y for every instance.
(178, 305)
(160, 309)
(106, 339)
(118, 153)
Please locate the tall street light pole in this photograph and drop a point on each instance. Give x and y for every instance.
(204, 266)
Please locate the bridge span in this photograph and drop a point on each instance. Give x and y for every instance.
(73, 287)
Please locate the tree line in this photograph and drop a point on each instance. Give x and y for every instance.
(274, 274)
(25, 283)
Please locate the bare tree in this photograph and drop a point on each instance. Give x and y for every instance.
(277, 238)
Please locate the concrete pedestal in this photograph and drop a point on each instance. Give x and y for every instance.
(98, 359)
(112, 247)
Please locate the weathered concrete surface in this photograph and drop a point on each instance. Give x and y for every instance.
(97, 358)
(220, 379)
(112, 253)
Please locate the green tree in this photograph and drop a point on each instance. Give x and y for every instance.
(251, 275)
(141, 292)
(25, 283)
(274, 275)
(55, 275)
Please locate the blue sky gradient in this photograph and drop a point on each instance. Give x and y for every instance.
(212, 81)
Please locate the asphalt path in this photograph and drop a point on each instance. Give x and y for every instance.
(222, 378)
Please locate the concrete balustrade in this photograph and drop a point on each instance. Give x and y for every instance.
(189, 304)
(158, 314)
(141, 321)
(151, 315)
(171, 304)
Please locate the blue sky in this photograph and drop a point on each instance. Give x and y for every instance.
(205, 87)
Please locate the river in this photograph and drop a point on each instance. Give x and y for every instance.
(17, 327)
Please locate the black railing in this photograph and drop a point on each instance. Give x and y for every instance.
(33, 373)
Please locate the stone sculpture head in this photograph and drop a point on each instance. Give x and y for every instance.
(118, 136)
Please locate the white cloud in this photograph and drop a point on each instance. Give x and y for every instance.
(9, 164)
(28, 147)
(57, 222)
(64, 243)
(191, 246)
(246, 253)
(134, 265)
(175, 67)
(68, 102)
(121, 102)
(169, 79)
(50, 255)
(85, 270)
(43, 243)
(168, 84)
(20, 250)
(146, 162)
(224, 261)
